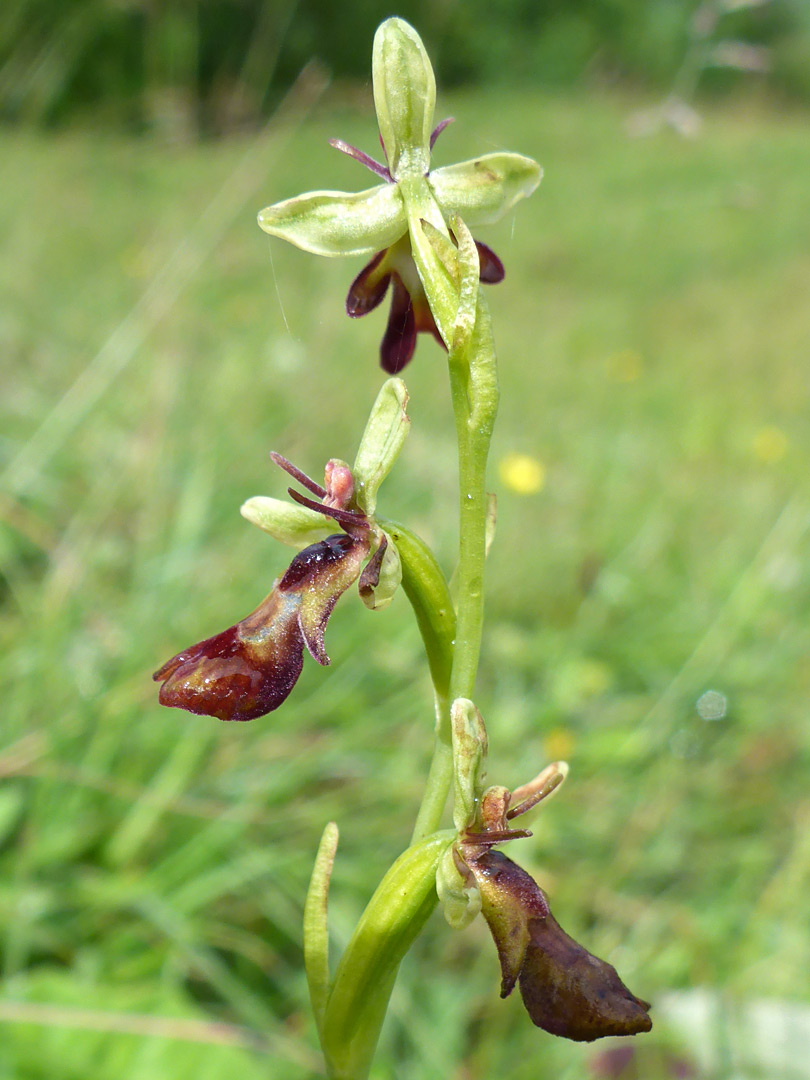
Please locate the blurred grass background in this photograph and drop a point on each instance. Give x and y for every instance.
(653, 333)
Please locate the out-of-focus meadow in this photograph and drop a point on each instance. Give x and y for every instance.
(648, 590)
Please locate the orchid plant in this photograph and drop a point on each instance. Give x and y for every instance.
(415, 225)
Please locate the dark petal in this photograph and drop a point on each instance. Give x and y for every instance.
(399, 340)
(491, 269)
(569, 992)
(368, 288)
(319, 575)
(363, 158)
(245, 671)
(296, 474)
(565, 989)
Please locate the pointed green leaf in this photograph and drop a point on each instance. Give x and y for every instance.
(424, 219)
(492, 521)
(468, 285)
(404, 97)
(483, 189)
(339, 222)
(395, 915)
(316, 932)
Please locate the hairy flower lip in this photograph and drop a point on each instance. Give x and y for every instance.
(567, 991)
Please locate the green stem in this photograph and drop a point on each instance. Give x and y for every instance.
(406, 896)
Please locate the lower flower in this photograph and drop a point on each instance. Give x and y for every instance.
(566, 990)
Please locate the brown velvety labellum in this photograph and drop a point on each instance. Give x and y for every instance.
(568, 991)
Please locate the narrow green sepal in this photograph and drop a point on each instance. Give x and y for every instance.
(483, 189)
(381, 443)
(316, 933)
(289, 523)
(469, 761)
(339, 222)
(404, 97)
(459, 895)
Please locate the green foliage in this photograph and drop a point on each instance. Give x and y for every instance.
(652, 333)
(183, 66)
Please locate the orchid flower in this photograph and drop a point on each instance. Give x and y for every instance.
(386, 221)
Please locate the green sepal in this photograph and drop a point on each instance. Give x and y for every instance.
(339, 222)
(483, 189)
(469, 762)
(404, 97)
(386, 430)
(289, 523)
(459, 895)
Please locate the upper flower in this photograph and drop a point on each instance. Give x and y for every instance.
(372, 222)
